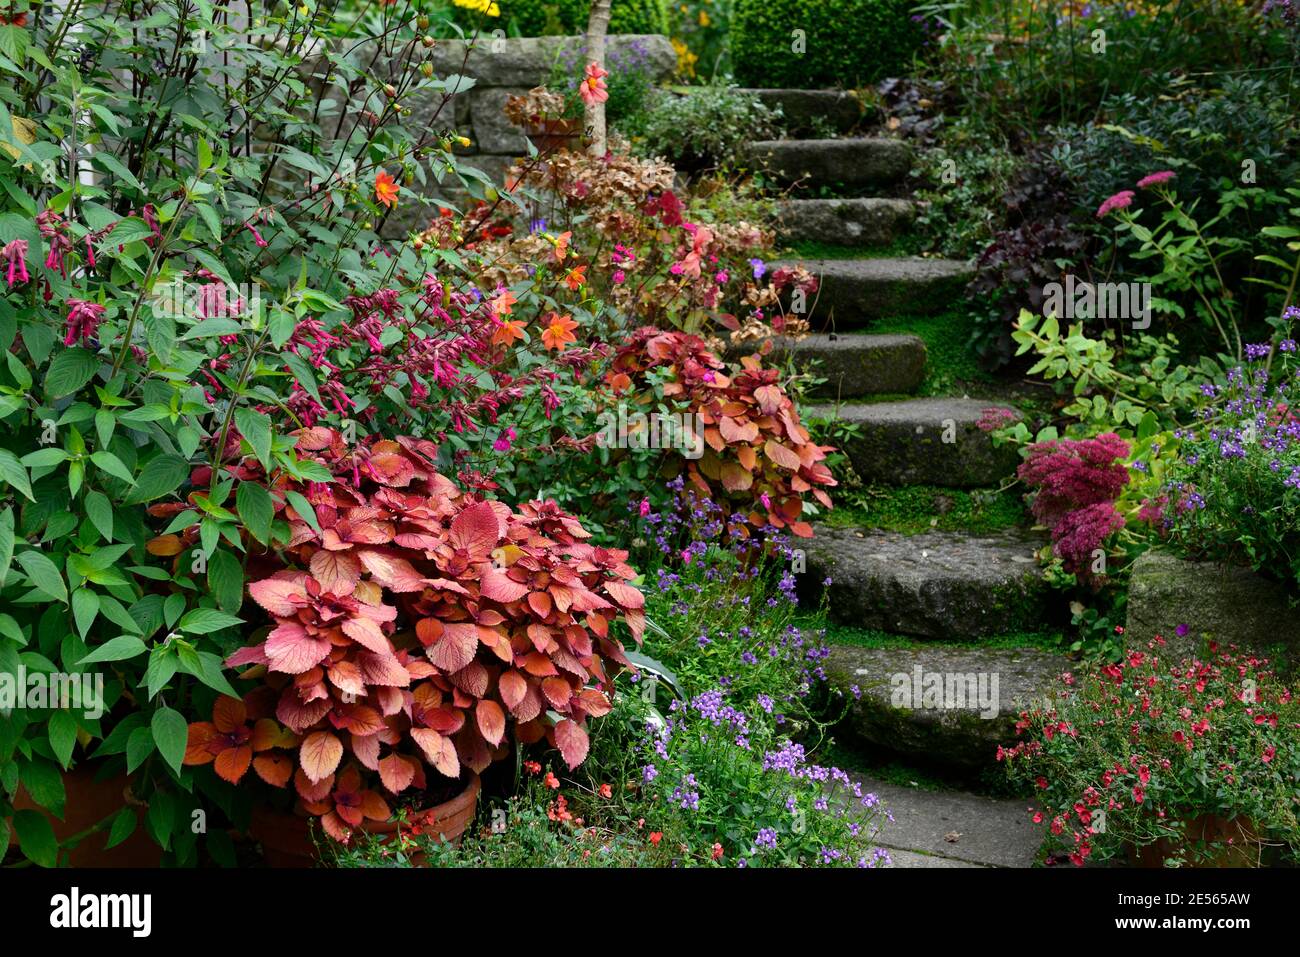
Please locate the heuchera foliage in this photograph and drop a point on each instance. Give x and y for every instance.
(415, 627)
(756, 450)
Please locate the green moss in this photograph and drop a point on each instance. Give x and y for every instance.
(908, 245)
(914, 509)
(838, 634)
(949, 359)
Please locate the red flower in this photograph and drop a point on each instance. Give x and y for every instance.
(656, 837)
(1269, 752)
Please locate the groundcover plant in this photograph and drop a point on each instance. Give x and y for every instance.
(635, 435)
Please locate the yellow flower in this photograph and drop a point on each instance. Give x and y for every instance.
(704, 18)
(480, 6)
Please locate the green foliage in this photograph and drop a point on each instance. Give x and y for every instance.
(850, 43)
(535, 18)
(919, 508)
(703, 128)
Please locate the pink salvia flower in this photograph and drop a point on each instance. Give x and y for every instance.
(83, 320)
(15, 253)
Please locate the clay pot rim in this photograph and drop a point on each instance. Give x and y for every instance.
(459, 803)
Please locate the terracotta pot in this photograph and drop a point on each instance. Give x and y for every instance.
(549, 135)
(89, 802)
(287, 842)
(1244, 851)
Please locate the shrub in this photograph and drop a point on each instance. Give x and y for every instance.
(427, 624)
(704, 128)
(851, 42)
(1138, 752)
(534, 18)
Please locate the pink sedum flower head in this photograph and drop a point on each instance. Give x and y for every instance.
(1121, 200)
(1155, 179)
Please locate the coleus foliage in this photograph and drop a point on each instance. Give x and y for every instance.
(415, 626)
(756, 452)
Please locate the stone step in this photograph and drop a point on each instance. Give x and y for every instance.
(844, 222)
(936, 441)
(814, 111)
(936, 584)
(852, 365)
(952, 828)
(851, 163)
(855, 292)
(945, 706)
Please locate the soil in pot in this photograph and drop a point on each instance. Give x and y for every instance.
(286, 837)
(89, 802)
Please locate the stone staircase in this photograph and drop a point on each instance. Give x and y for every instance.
(946, 591)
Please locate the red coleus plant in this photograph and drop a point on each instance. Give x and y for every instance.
(756, 450)
(415, 627)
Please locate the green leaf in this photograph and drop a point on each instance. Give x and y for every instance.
(100, 512)
(123, 826)
(163, 474)
(62, 728)
(44, 458)
(85, 607)
(256, 428)
(226, 580)
(114, 466)
(256, 509)
(118, 649)
(36, 838)
(44, 574)
(202, 621)
(13, 472)
(138, 747)
(6, 542)
(170, 733)
(69, 371)
(303, 508)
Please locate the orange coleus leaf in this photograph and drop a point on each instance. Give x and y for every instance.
(228, 714)
(275, 769)
(337, 572)
(200, 735)
(735, 477)
(397, 772)
(737, 430)
(232, 763)
(165, 545)
(572, 741)
(455, 648)
(557, 692)
(290, 649)
(514, 687)
(279, 596)
(624, 594)
(491, 721)
(319, 755)
(498, 586)
(747, 456)
(392, 571)
(438, 751)
(782, 456)
(476, 531)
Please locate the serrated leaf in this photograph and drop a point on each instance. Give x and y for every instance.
(170, 733)
(69, 371)
(117, 649)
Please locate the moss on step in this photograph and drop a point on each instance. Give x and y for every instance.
(908, 245)
(913, 509)
(838, 634)
(950, 363)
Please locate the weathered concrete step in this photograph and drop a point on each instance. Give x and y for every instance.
(844, 222)
(953, 828)
(810, 111)
(853, 365)
(925, 441)
(934, 585)
(851, 163)
(855, 292)
(942, 705)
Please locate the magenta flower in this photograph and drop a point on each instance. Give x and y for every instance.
(1121, 200)
(15, 253)
(1155, 179)
(502, 443)
(644, 508)
(83, 320)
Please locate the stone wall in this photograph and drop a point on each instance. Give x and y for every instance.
(495, 68)
(1232, 605)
